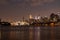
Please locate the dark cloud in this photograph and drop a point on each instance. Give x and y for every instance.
(3, 2)
(26, 2)
(40, 2)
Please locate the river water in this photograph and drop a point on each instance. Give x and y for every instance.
(30, 33)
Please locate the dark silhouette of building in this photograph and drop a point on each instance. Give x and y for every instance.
(52, 16)
(5, 24)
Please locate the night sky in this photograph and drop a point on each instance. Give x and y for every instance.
(16, 9)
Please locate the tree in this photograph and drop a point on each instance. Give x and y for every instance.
(52, 16)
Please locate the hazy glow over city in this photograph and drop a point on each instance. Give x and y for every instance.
(16, 9)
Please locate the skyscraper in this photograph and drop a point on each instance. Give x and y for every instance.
(30, 16)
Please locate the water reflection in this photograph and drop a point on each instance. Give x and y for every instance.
(52, 34)
(0, 35)
(37, 33)
(30, 33)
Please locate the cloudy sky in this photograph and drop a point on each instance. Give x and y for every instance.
(16, 9)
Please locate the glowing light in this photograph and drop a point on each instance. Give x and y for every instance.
(39, 17)
(52, 24)
(19, 23)
(30, 16)
(24, 23)
(36, 17)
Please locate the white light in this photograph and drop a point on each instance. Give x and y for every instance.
(36, 17)
(24, 23)
(58, 12)
(39, 17)
(19, 23)
(14, 24)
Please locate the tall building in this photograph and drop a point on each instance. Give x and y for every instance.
(30, 16)
(31, 19)
(59, 14)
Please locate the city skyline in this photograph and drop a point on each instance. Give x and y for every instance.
(33, 17)
(16, 9)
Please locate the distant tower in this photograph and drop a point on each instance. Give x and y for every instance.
(0, 19)
(59, 14)
(23, 19)
(30, 16)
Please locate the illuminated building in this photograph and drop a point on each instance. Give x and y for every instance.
(19, 23)
(30, 16)
(36, 18)
(31, 19)
(39, 17)
(59, 14)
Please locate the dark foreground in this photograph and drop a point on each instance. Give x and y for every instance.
(30, 33)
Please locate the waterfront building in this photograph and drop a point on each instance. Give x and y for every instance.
(19, 23)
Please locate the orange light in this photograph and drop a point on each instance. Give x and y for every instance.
(52, 24)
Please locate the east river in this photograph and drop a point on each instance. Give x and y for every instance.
(30, 33)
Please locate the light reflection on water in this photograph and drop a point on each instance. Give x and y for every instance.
(0, 35)
(30, 33)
